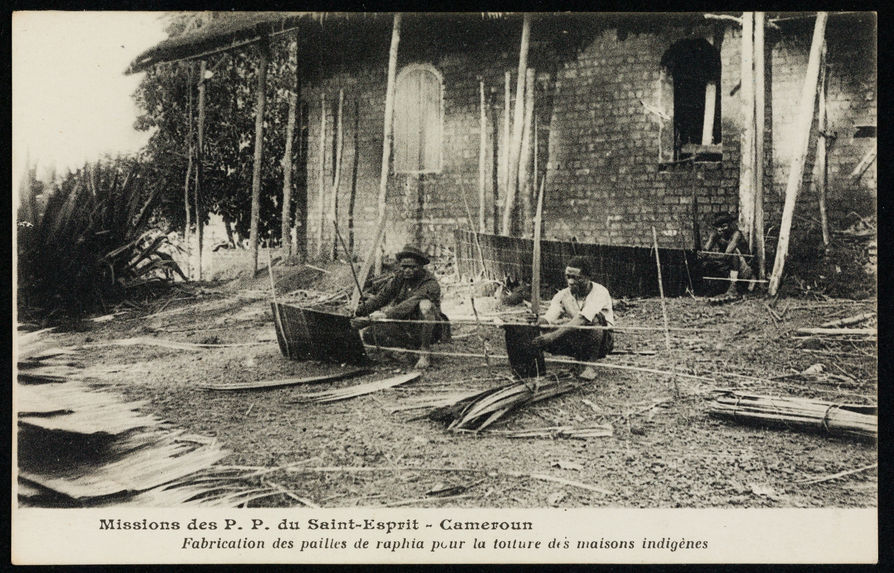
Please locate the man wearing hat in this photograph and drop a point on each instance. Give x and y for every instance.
(582, 303)
(412, 293)
(726, 238)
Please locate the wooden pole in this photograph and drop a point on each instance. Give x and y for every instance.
(354, 171)
(200, 147)
(368, 262)
(507, 134)
(259, 152)
(535, 258)
(758, 245)
(321, 177)
(822, 146)
(524, 161)
(667, 340)
(388, 129)
(496, 154)
(285, 237)
(189, 150)
(482, 158)
(802, 127)
(336, 175)
(517, 125)
(746, 95)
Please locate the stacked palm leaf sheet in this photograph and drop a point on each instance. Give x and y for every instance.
(479, 411)
(77, 446)
(355, 390)
(845, 420)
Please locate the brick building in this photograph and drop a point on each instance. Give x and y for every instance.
(604, 109)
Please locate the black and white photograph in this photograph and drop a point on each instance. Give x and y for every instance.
(345, 287)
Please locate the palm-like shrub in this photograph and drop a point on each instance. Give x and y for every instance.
(88, 241)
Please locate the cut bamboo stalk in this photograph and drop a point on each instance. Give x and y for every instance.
(388, 130)
(482, 158)
(802, 132)
(759, 243)
(667, 340)
(517, 125)
(507, 134)
(264, 49)
(535, 258)
(837, 331)
(265, 384)
(856, 319)
(285, 236)
(820, 173)
(200, 147)
(524, 160)
(746, 95)
(838, 475)
(336, 175)
(496, 155)
(321, 177)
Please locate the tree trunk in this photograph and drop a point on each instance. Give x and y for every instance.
(802, 131)
(388, 128)
(200, 155)
(189, 150)
(286, 229)
(259, 153)
(517, 125)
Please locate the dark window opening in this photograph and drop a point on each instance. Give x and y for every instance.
(694, 69)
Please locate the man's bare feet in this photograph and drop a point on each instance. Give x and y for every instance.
(588, 373)
(423, 362)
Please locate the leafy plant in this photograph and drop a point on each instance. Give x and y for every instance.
(89, 241)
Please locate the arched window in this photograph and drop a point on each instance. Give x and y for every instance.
(418, 108)
(693, 67)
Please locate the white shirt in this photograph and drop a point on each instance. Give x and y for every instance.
(565, 304)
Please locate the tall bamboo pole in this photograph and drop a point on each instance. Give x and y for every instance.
(517, 126)
(189, 150)
(746, 165)
(285, 236)
(821, 149)
(336, 174)
(667, 340)
(524, 160)
(321, 177)
(482, 157)
(760, 87)
(802, 132)
(496, 158)
(259, 151)
(507, 134)
(200, 153)
(535, 257)
(388, 134)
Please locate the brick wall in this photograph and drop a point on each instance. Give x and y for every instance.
(599, 145)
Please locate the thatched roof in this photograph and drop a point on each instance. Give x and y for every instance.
(226, 32)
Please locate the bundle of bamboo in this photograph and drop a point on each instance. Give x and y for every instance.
(845, 420)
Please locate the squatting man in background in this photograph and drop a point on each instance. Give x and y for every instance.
(727, 250)
(582, 303)
(413, 293)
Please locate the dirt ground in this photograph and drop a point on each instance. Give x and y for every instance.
(666, 450)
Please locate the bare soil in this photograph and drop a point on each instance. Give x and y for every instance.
(665, 451)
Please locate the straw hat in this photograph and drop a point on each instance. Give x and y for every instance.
(413, 253)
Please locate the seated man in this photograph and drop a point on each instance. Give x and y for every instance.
(412, 294)
(729, 247)
(582, 303)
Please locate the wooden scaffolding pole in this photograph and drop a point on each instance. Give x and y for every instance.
(285, 237)
(200, 147)
(388, 134)
(517, 126)
(482, 158)
(336, 171)
(760, 86)
(259, 151)
(746, 165)
(821, 174)
(321, 177)
(802, 132)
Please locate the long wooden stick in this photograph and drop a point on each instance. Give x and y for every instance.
(285, 236)
(321, 177)
(746, 97)
(368, 262)
(667, 340)
(336, 175)
(348, 255)
(482, 157)
(388, 129)
(802, 132)
(535, 258)
(524, 158)
(517, 125)
(759, 243)
(264, 49)
(820, 172)
(200, 145)
(838, 475)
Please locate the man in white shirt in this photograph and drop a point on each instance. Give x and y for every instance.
(582, 303)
